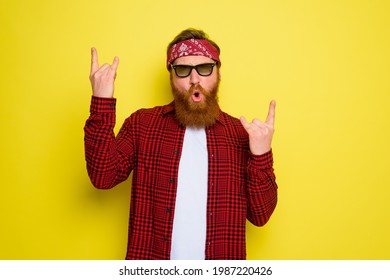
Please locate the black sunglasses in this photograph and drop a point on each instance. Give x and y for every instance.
(183, 71)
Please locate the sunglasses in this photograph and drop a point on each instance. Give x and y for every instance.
(183, 71)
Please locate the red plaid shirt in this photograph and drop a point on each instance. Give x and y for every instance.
(240, 185)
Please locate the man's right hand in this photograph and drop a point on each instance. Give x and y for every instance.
(102, 78)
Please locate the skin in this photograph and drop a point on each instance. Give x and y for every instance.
(260, 133)
(184, 84)
(102, 78)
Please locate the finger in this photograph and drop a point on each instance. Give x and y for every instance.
(258, 122)
(244, 123)
(115, 63)
(271, 113)
(105, 68)
(94, 61)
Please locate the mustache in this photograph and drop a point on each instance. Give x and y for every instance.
(189, 113)
(197, 89)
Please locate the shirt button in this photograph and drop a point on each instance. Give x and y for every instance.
(168, 209)
(171, 180)
(175, 152)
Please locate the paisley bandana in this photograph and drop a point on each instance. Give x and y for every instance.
(192, 47)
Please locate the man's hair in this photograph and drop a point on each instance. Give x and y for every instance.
(192, 33)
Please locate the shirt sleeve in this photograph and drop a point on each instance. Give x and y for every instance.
(261, 188)
(108, 158)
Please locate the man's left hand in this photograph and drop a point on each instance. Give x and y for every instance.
(260, 133)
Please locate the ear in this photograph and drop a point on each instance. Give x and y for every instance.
(219, 74)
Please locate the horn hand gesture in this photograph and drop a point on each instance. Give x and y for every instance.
(260, 133)
(102, 78)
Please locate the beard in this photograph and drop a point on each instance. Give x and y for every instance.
(200, 114)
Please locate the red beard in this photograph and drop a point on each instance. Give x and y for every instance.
(196, 114)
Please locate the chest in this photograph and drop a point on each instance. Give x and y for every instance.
(161, 147)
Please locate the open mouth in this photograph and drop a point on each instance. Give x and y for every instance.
(197, 96)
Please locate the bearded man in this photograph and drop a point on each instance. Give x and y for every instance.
(198, 173)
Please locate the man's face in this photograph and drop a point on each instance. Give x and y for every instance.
(195, 96)
(207, 82)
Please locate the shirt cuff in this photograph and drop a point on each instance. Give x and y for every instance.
(102, 105)
(264, 161)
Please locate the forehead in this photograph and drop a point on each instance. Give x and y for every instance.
(193, 60)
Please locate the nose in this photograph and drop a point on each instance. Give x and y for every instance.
(194, 77)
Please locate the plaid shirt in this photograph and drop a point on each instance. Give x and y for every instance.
(240, 185)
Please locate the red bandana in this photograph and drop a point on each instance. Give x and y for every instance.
(192, 47)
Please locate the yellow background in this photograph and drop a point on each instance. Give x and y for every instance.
(325, 62)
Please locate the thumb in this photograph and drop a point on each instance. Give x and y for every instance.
(244, 123)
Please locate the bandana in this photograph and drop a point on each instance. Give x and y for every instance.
(192, 47)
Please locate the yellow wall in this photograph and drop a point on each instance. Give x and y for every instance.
(325, 62)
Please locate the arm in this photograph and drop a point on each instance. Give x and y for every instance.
(261, 190)
(109, 159)
(261, 186)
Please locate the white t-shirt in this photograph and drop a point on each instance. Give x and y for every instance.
(189, 223)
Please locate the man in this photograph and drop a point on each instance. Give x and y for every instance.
(198, 172)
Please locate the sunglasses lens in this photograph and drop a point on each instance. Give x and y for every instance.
(182, 70)
(205, 69)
